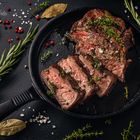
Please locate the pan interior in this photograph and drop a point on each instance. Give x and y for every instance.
(95, 107)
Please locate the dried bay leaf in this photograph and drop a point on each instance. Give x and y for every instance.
(54, 10)
(11, 127)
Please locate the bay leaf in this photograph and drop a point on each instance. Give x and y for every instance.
(11, 127)
(54, 10)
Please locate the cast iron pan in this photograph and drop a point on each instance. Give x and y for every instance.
(110, 105)
(97, 107)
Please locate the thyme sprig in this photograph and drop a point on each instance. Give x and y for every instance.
(46, 55)
(130, 6)
(83, 133)
(8, 61)
(127, 132)
(40, 7)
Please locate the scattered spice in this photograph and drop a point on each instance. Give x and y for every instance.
(45, 56)
(40, 119)
(127, 133)
(11, 127)
(83, 133)
(19, 30)
(37, 17)
(54, 10)
(49, 43)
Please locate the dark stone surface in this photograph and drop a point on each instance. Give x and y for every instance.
(20, 80)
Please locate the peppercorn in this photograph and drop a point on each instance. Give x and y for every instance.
(37, 17)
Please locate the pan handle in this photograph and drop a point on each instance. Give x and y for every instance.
(12, 104)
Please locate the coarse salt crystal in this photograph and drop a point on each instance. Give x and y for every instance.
(23, 13)
(125, 11)
(29, 107)
(21, 115)
(52, 133)
(57, 54)
(49, 122)
(53, 126)
(136, 7)
(23, 109)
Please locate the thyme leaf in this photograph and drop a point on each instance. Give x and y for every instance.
(83, 133)
(126, 94)
(9, 60)
(127, 132)
(46, 55)
(130, 6)
(40, 7)
(104, 21)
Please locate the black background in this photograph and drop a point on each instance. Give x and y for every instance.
(20, 80)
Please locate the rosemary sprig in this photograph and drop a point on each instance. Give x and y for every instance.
(127, 132)
(130, 6)
(83, 133)
(8, 61)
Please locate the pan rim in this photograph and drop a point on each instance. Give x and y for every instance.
(126, 107)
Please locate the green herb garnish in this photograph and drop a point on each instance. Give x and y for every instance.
(129, 5)
(83, 133)
(9, 60)
(97, 79)
(127, 132)
(96, 64)
(104, 21)
(52, 89)
(46, 55)
(126, 94)
(40, 7)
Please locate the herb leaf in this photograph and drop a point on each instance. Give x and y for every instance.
(11, 127)
(8, 61)
(46, 55)
(83, 133)
(127, 132)
(54, 10)
(126, 92)
(129, 5)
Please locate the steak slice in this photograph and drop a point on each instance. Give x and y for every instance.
(66, 96)
(103, 78)
(70, 66)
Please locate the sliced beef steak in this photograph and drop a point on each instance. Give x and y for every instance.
(103, 78)
(106, 37)
(66, 96)
(70, 66)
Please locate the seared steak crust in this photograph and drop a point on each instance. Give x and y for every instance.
(66, 96)
(105, 36)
